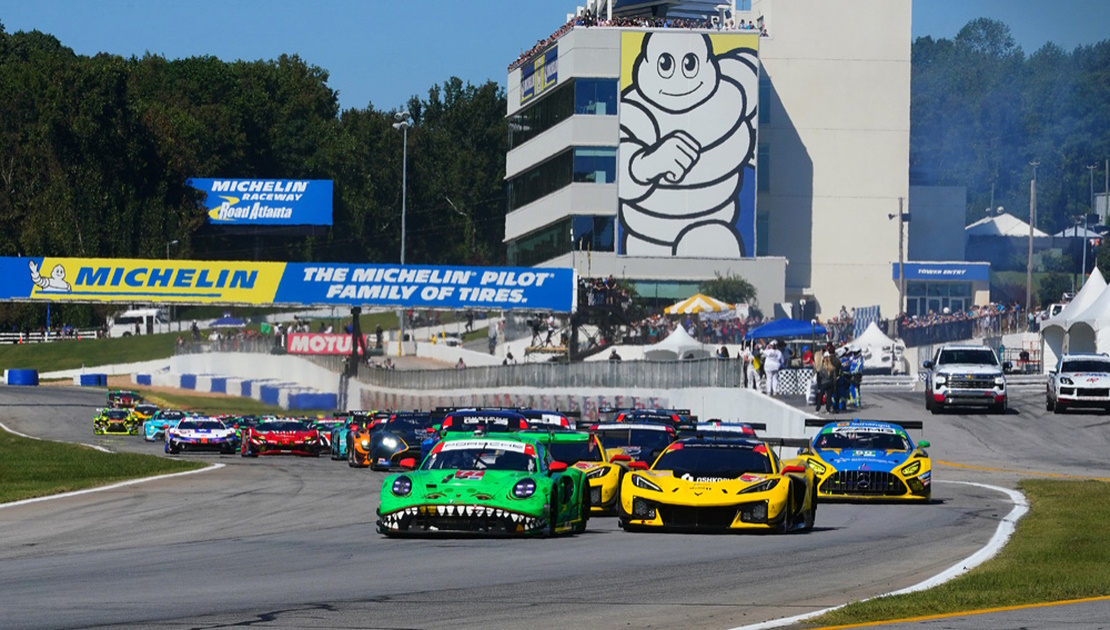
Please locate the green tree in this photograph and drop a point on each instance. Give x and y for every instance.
(729, 288)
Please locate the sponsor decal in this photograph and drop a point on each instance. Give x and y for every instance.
(267, 201)
(476, 420)
(539, 74)
(321, 343)
(470, 474)
(491, 445)
(746, 478)
(689, 477)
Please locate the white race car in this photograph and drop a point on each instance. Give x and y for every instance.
(1079, 380)
(201, 434)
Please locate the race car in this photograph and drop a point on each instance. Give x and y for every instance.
(719, 484)
(1079, 380)
(560, 420)
(641, 442)
(155, 428)
(144, 411)
(279, 436)
(123, 399)
(466, 421)
(340, 434)
(583, 451)
(201, 434)
(115, 421)
(868, 460)
(678, 419)
(386, 444)
(324, 427)
(716, 427)
(496, 484)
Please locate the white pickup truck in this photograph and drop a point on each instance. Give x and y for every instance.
(965, 376)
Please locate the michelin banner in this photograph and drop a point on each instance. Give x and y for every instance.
(294, 284)
(267, 201)
(539, 74)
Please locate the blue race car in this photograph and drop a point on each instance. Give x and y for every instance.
(340, 433)
(868, 460)
(154, 429)
(397, 438)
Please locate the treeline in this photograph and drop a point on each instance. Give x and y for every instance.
(95, 153)
(982, 110)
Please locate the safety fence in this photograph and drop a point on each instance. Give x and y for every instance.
(49, 336)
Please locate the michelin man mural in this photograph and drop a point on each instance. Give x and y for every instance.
(54, 283)
(687, 144)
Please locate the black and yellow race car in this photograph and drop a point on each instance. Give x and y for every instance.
(719, 484)
(115, 422)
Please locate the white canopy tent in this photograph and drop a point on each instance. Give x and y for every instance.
(1002, 225)
(1056, 330)
(880, 351)
(678, 345)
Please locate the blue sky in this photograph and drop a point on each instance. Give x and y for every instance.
(384, 52)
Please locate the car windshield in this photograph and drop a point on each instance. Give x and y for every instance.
(201, 425)
(282, 425)
(863, 439)
(644, 438)
(714, 460)
(1085, 365)
(172, 415)
(146, 408)
(577, 451)
(490, 424)
(407, 426)
(545, 419)
(478, 455)
(974, 356)
(117, 414)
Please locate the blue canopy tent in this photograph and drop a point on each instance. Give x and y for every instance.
(786, 329)
(227, 321)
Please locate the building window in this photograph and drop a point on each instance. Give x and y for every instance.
(593, 233)
(584, 97)
(596, 165)
(764, 98)
(763, 168)
(580, 164)
(762, 230)
(595, 97)
(543, 244)
(923, 298)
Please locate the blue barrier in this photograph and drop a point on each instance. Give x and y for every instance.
(23, 377)
(313, 400)
(141, 379)
(188, 381)
(93, 380)
(270, 394)
(219, 384)
(245, 389)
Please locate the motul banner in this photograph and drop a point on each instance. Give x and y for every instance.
(321, 343)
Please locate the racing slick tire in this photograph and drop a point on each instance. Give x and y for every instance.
(549, 531)
(172, 450)
(584, 509)
(248, 451)
(811, 515)
(351, 461)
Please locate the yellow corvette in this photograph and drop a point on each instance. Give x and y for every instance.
(143, 411)
(719, 484)
(869, 460)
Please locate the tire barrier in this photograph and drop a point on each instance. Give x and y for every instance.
(22, 377)
(92, 380)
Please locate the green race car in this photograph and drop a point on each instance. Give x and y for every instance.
(503, 484)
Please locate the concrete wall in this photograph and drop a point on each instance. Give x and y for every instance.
(258, 367)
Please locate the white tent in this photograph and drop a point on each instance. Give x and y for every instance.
(880, 351)
(1089, 329)
(678, 345)
(1055, 329)
(1002, 225)
(1074, 231)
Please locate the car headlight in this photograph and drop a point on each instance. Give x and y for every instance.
(364, 443)
(597, 474)
(524, 488)
(402, 486)
(911, 469)
(941, 379)
(762, 486)
(817, 466)
(1066, 381)
(641, 482)
(389, 442)
(999, 380)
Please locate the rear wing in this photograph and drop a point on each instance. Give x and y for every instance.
(758, 426)
(909, 425)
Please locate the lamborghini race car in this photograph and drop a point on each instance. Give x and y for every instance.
(116, 422)
(583, 451)
(201, 434)
(123, 399)
(868, 460)
(497, 484)
(386, 444)
(155, 428)
(1079, 380)
(719, 484)
(641, 442)
(279, 436)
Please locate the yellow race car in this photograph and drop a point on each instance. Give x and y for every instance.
(719, 484)
(868, 460)
(142, 412)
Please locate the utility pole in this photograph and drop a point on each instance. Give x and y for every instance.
(1032, 221)
(1086, 217)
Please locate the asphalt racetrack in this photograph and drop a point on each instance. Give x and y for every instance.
(286, 542)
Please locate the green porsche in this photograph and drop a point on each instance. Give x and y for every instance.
(500, 484)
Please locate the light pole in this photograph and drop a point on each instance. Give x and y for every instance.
(168, 243)
(1032, 220)
(403, 123)
(1086, 217)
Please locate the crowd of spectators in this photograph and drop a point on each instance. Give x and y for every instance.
(588, 19)
(602, 292)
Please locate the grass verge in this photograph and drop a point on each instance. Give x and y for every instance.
(1058, 552)
(215, 405)
(68, 355)
(36, 468)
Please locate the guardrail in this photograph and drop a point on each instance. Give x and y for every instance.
(49, 336)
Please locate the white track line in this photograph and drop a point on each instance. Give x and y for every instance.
(994, 545)
(113, 486)
(31, 437)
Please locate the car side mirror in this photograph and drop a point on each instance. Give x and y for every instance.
(793, 468)
(923, 444)
(408, 463)
(1052, 372)
(557, 467)
(928, 365)
(620, 458)
(638, 465)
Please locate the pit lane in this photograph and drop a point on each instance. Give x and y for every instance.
(289, 542)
